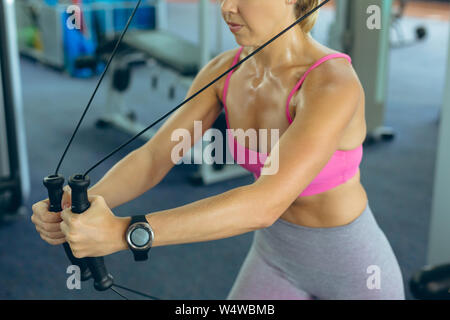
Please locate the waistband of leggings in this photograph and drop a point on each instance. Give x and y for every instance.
(365, 217)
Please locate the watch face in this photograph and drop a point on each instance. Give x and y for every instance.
(140, 237)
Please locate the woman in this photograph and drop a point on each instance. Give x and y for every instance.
(315, 234)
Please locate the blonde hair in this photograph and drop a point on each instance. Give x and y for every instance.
(302, 7)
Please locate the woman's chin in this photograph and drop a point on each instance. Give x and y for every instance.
(241, 41)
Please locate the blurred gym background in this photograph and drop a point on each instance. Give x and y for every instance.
(49, 69)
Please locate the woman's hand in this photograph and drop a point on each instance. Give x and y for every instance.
(96, 232)
(67, 198)
(48, 223)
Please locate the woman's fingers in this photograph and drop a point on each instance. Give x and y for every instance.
(47, 223)
(67, 197)
(53, 242)
(51, 235)
(41, 213)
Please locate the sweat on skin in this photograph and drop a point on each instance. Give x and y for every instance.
(271, 164)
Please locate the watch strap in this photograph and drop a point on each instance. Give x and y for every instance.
(138, 218)
(140, 255)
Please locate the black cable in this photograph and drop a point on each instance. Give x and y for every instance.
(206, 87)
(98, 84)
(136, 292)
(167, 114)
(125, 298)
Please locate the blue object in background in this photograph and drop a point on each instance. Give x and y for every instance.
(76, 45)
(51, 2)
(144, 18)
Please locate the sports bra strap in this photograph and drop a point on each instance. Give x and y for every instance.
(315, 65)
(294, 90)
(227, 83)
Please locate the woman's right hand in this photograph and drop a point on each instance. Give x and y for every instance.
(48, 224)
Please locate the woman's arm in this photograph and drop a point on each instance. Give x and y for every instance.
(145, 167)
(126, 180)
(98, 232)
(229, 214)
(323, 113)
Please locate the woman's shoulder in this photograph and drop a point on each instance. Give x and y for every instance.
(219, 65)
(331, 66)
(317, 52)
(224, 60)
(333, 74)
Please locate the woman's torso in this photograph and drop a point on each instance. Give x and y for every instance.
(257, 100)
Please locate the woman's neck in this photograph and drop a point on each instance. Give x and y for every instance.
(284, 51)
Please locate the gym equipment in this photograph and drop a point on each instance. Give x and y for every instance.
(80, 183)
(431, 283)
(208, 174)
(90, 266)
(149, 47)
(369, 50)
(420, 32)
(14, 176)
(49, 20)
(54, 185)
(163, 52)
(438, 250)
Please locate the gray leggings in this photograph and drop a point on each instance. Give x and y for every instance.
(291, 262)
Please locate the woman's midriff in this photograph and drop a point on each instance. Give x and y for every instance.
(333, 208)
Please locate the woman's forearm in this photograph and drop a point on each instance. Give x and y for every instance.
(126, 180)
(229, 214)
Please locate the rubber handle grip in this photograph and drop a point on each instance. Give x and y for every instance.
(80, 203)
(54, 185)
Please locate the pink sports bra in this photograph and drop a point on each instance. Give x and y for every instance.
(342, 166)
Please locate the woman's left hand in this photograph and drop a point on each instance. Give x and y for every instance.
(96, 232)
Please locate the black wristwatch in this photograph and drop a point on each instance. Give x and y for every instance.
(139, 237)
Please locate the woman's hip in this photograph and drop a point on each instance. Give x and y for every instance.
(352, 251)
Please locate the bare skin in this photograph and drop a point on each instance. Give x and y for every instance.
(266, 109)
(328, 115)
(259, 89)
